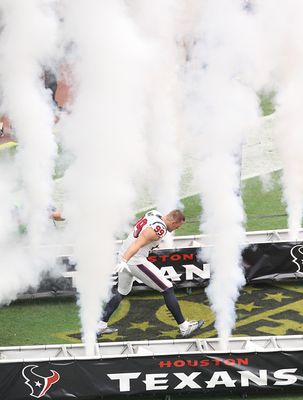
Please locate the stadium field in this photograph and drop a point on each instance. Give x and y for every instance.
(261, 310)
(56, 320)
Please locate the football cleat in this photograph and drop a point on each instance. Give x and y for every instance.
(192, 327)
(103, 328)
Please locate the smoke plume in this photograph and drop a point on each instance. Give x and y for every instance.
(280, 24)
(222, 108)
(157, 22)
(27, 44)
(104, 133)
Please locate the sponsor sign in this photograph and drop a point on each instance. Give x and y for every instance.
(187, 267)
(189, 373)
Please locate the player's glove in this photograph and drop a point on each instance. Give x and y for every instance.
(121, 267)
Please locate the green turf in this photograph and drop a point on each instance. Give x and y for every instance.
(37, 321)
(192, 211)
(267, 101)
(264, 210)
(273, 309)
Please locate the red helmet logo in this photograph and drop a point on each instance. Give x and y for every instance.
(39, 384)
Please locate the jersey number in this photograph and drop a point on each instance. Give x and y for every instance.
(159, 231)
(139, 226)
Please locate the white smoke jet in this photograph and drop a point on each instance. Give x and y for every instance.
(20, 267)
(157, 21)
(222, 109)
(281, 26)
(6, 189)
(103, 132)
(26, 102)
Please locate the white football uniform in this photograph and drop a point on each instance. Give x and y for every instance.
(153, 220)
(139, 266)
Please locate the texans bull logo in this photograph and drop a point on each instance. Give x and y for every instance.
(39, 384)
(297, 254)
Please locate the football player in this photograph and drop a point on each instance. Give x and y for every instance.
(146, 235)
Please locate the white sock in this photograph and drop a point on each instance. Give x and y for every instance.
(184, 325)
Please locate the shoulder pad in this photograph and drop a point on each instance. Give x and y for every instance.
(153, 213)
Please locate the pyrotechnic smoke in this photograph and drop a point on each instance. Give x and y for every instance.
(27, 43)
(130, 62)
(24, 52)
(281, 26)
(222, 108)
(157, 22)
(103, 131)
(6, 190)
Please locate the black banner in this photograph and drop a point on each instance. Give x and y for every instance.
(260, 261)
(186, 267)
(243, 373)
(273, 261)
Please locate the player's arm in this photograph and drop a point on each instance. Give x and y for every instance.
(147, 236)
